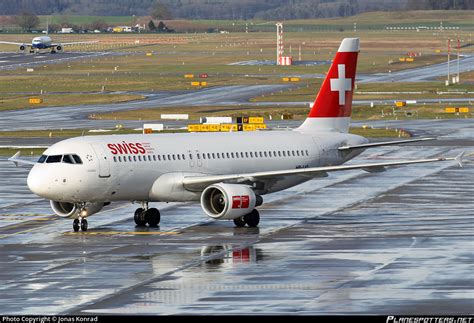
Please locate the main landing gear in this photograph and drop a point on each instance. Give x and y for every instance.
(79, 223)
(252, 219)
(146, 215)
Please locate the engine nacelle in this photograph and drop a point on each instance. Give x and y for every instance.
(22, 47)
(71, 210)
(229, 201)
(59, 48)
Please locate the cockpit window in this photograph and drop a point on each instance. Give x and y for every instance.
(68, 159)
(54, 159)
(77, 159)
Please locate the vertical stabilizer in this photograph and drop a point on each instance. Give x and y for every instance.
(331, 110)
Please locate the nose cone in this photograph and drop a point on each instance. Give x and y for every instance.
(36, 182)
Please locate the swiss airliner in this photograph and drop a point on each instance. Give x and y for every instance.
(228, 173)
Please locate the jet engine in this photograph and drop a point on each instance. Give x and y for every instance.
(59, 48)
(22, 47)
(72, 210)
(229, 201)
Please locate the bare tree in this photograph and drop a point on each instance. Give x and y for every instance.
(27, 21)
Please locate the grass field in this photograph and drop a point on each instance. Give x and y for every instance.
(173, 55)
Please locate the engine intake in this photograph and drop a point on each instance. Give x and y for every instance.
(71, 210)
(229, 201)
(22, 47)
(59, 48)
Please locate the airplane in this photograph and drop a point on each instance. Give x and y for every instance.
(228, 173)
(44, 42)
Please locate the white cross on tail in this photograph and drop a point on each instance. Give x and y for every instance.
(341, 84)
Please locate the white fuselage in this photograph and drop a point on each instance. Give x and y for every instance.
(150, 169)
(41, 42)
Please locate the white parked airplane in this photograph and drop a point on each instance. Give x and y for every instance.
(227, 172)
(44, 42)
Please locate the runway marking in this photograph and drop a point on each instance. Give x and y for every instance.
(113, 233)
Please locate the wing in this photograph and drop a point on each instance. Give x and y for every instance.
(13, 43)
(385, 143)
(76, 43)
(16, 160)
(199, 182)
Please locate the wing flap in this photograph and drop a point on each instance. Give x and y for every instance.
(385, 143)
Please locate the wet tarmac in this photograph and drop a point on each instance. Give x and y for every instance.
(399, 241)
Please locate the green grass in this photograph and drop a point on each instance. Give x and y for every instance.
(7, 152)
(13, 102)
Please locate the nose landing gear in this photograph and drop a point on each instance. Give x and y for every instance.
(146, 215)
(79, 223)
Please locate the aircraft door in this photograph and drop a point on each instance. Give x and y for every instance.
(320, 153)
(191, 158)
(198, 158)
(104, 167)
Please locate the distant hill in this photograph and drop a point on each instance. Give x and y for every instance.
(227, 9)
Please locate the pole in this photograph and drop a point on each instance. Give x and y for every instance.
(459, 49)
(449, 54)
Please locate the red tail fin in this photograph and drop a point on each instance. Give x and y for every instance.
(331, 110)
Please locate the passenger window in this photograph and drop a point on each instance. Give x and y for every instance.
(54, 159)
(246, 154)
(42, 159)
(298, 153)
(293, 153)
(261, 155)
(213, 156)
(68, 159)
(129, 158)
(134, 158)
(279, 153)
(139, 158)
(228, 155)
(208, 156)
(154, 158)
(77, 159)
(218, 155)
(236, 155)
(179, 156)
(191, 156)
(198, 156)
(307, 153)
(149, 157)
(232, 155)
(169, 157)
(184, 157)
(265, 153)
(115, 159)
(203, 155)
(174, 157)
(251, 154)
(284, 155)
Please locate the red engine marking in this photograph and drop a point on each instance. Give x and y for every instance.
(240, 202)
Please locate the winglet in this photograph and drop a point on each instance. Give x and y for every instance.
(458, 158)
(14, 157)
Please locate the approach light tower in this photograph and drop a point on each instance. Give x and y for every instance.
(279, 26)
